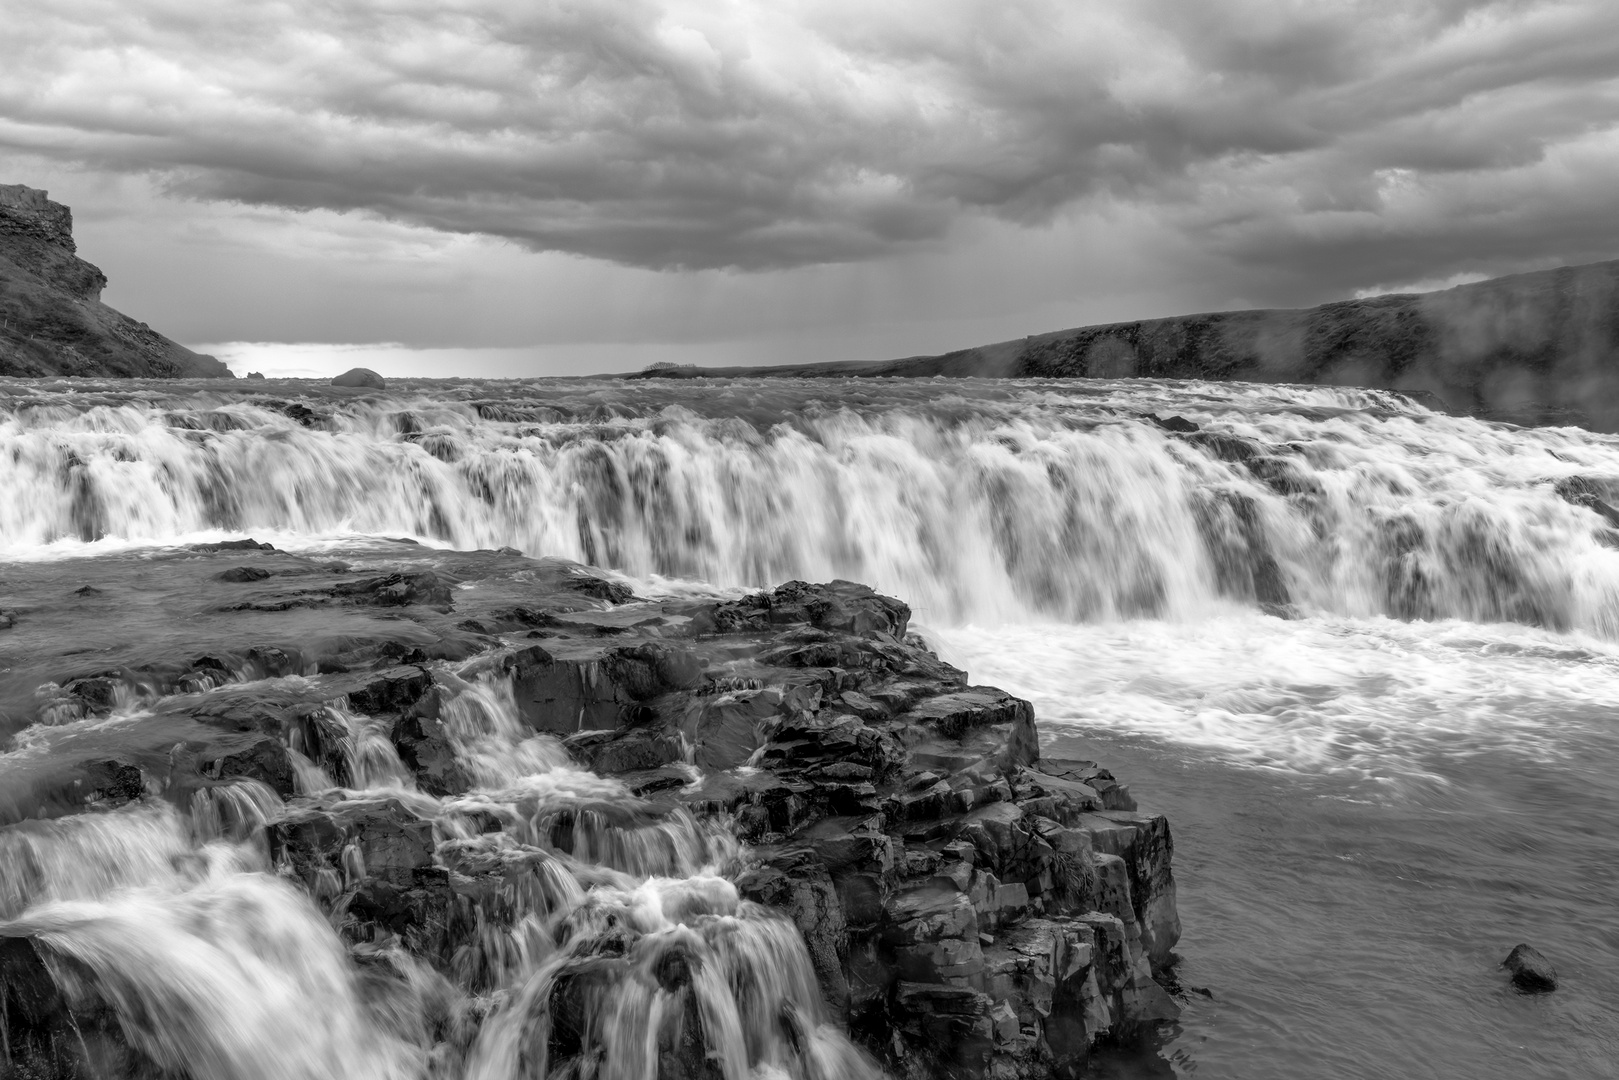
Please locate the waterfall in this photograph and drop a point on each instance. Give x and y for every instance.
(977, 503)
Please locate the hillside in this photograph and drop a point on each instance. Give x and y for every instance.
(1536, 348)
(52, 320)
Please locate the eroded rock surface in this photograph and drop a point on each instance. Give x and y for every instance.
(493, 745)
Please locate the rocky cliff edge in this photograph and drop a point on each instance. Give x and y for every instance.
(52, 320)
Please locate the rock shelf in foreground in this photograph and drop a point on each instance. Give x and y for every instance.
(971, 908)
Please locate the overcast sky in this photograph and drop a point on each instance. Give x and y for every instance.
(521, 186)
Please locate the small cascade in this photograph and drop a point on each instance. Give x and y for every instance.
(234, 811)
(236, 977)
(978, 502)
(373, 762)
(88, 856)
(491, 740)
(594, 931)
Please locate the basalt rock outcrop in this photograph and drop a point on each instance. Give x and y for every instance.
(52, 320)
(968, 907)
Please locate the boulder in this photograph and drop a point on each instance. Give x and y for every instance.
(56, 1020)
(361, 377)
(1531, 972)
(397, 590)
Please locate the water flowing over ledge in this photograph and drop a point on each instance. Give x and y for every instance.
(979, 502)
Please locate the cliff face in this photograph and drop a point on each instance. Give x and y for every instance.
(1539, 348)
(52, 320)
(1532, 348)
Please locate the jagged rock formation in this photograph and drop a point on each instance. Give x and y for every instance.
(966, 907)
(1530, 348)
(52, 320)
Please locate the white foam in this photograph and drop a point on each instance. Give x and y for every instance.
(1376, 697)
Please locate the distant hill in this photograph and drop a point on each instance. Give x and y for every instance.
(52, 320)
(1532, 348)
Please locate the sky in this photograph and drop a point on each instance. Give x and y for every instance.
(527, 187)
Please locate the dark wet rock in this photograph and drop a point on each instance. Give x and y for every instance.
(840, 605)
(255, 375)
(397, 590)
(87, 590)
(1531, 972)
(56, 787)
(233, 545)
(599, 588)
(1244, 565)
(56, 1022)
(1230, 448)
(1283, 475)
(361, 377)
(801, 886)
(391, 691)
(294, 410)
(616, 752)
(374, 863)
(244, 574)
(112, 783)
(971, 909)
(599, 687)
(905, 816)
(1597, 494)
(1178, 424)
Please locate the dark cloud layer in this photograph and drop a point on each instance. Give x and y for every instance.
(1360, 140)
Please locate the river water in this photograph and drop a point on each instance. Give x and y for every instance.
(1365, 656)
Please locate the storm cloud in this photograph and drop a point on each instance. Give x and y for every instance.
(1362, 141)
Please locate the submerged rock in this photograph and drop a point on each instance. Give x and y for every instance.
(1531, 972)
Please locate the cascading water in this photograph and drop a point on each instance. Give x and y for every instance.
(984, 504)
(217, 967)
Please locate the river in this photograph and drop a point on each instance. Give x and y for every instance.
(1365, 656)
